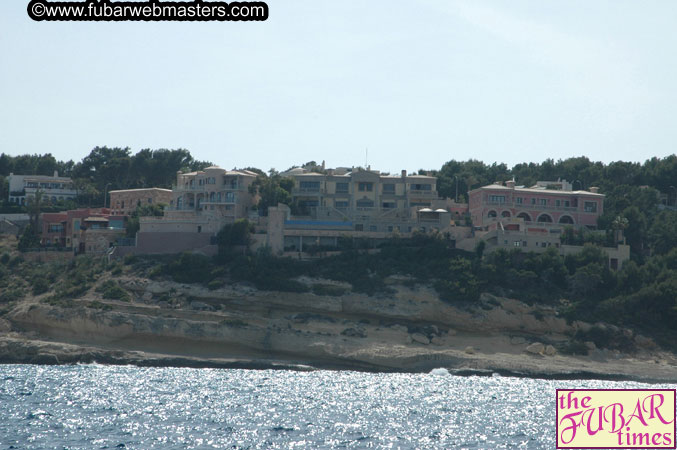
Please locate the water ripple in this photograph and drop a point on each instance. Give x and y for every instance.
(94, 406)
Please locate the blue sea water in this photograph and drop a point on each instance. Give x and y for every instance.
(95, 406)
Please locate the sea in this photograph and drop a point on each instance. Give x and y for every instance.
(110, 407)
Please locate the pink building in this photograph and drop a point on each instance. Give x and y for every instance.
(546, 202)
(69, 228)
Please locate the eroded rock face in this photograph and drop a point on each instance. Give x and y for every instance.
(535, 348)
(420, 338)
(242, 320)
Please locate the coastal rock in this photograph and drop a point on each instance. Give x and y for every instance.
(644, 342)
(535, 348)
(550, 350)
(518, 340)
(354, 332)
(590, 345)
(5, 326)
(451, 332)
(400, 328)
(420, 338)
(200, 306)
(437, 341)
(582, 326)
(470, 350)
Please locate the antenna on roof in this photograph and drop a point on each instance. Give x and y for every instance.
(366, 157)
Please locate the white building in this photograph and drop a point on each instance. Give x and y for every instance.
(54, 188)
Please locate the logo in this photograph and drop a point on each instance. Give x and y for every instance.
(615, 418)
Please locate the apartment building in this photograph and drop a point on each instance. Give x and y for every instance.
(201, 203)
(358, 204)
(546, 202)
(361, 192)
(533, 219)
(84, 230)
(125, 201)
(53, 189)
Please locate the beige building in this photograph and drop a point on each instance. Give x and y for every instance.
(124, 202)
(361, 192)
(204, 201)
(365, 204)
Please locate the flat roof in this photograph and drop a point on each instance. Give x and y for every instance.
(140, 189)
(533, 191)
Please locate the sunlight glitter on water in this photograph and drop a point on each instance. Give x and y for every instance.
(94, 406)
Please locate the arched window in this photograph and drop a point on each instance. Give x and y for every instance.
(566, 219)
(491, 213)
(526, 217)
(544, 218)
(505, 214)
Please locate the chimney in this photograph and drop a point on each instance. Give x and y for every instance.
(594, 189)
(56, 174)
(510, 184)
(404, 174)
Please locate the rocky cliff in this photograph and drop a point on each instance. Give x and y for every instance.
(167, 323)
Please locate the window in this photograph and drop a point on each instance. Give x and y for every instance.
(311, 186)
(341, 188)
(544, 202)
(199, 228)
(359, 227)
(341, 204)
(517, 243)
(230, 197)
(390, 228)
(533, 201)
(150, 200)
(422, 187)
(365, 203)
(590, 207)
(372, 228)
(55, 228)
(389, 205)
(566, 203)
(518, 200)
(365, 187)
(500, 199)
(558, 203)
(389, 188)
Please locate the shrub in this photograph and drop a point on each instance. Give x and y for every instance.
(111, 290)
(329, 289)
(40, 286)
(215, 284)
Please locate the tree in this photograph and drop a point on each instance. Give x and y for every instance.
(663, 232)
(272, 189)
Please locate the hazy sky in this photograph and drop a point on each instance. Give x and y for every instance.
(417, 83)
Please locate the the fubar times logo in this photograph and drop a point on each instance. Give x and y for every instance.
(615, 418)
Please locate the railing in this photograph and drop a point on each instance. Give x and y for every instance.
(533, 207)
(423, 192)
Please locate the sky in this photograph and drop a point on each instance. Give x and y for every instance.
(395, 85)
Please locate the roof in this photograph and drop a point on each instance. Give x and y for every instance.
(140, 190)
(96, 219)
(499, 187)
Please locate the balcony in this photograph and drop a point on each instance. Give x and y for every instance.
(532, 207)
(422, 192)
